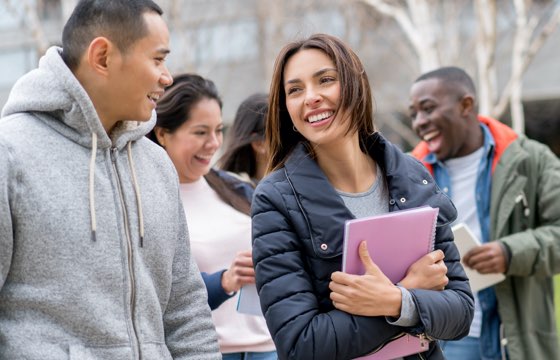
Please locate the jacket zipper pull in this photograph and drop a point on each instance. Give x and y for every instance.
(114, 154)
(422, 340)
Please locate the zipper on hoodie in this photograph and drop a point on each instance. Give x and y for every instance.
(132, 299)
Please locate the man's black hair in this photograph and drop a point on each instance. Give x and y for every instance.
(120, 21)
(451, 75)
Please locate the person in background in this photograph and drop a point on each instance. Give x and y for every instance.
(189, 128)
(328, 165)
(95, 260)
(507, 190)
(245, 152)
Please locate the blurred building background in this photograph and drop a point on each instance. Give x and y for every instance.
(234, 43)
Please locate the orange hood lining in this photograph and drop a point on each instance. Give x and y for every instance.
(503, 136)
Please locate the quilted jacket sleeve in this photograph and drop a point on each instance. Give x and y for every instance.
(447, 314)
(298, 326)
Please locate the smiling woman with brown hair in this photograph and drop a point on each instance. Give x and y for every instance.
(189, 127)
(328, 165)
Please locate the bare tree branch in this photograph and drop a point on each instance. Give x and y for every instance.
(533, 49)
(423, 14)
(35, 26)
(485, 54)
(400, 15)
(523, 30)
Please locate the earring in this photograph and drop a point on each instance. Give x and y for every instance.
(294, 128)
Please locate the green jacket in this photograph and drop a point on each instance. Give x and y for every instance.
(530, 227)
(525, 215)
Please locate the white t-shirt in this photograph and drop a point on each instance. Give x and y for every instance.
(217, 232)
(463, 172)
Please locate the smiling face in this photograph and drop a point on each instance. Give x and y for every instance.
(139, 76)
(440, 117)
(312, 89)
(192, 146)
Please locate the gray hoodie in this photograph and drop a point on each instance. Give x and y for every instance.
(94, 255)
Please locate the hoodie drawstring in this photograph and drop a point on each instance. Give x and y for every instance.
(92, 185)
(92, 190)
(137, 191)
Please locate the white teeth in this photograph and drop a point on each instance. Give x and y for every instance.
(429, 136)
(319, 117)
(153, 96)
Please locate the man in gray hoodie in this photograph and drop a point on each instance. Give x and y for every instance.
(94, 255)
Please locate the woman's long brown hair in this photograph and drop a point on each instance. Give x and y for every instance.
(355, 96)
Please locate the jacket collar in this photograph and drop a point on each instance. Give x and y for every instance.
(55, 96)
(301, 168)
(503, 136)
(324, 214)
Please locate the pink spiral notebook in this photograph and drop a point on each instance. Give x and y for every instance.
(395, 241)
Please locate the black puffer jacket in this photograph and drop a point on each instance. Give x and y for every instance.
(298, 225)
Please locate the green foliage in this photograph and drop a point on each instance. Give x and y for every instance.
(557, 300)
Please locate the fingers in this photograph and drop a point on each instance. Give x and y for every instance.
(345, 297)
(436, 277)
(336, 288)
(340, 294)
(478, 255)
(467, 258)
(428, 259)
(244, 280)
(234, 279)
(488, 258)
(369, 265)
(245, 253)
(342, 278)
(240, 272)
(244, 271)
(474, 257)
(436, 255)
(339, 301)
(443, 283)
(429, 272)
(243, 258)
(490, 267)
(242, 266)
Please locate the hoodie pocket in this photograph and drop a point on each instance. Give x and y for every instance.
(93, 353)
(149, 351)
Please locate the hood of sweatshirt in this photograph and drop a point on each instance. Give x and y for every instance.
(55, 96)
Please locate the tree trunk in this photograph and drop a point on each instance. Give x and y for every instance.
(536, 44)
(485, 54)
(523, 30)
(418, 29)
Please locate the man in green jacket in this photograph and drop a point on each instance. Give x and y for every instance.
(507, 190)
